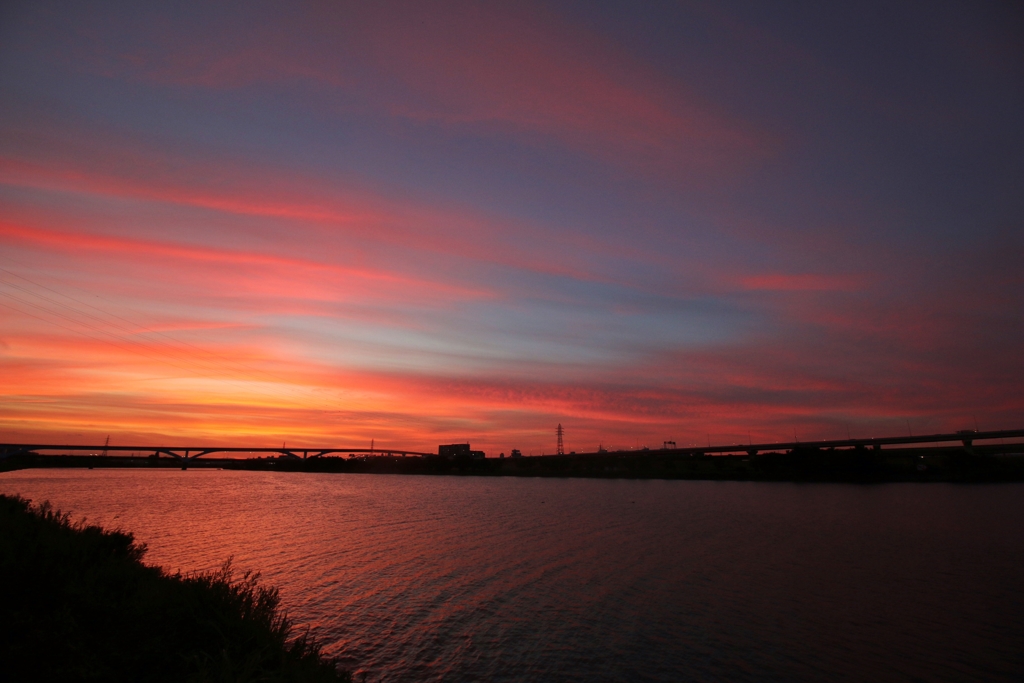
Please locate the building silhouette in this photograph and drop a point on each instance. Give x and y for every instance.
(459, 450)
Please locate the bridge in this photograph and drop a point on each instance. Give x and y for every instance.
(186, 454)
(967, 437)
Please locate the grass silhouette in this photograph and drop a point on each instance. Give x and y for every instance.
(78, 604)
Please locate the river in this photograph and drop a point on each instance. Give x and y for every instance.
(437, 578)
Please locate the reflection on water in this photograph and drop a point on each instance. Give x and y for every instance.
(459, 579)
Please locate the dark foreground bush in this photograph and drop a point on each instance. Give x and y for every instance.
(78, 604)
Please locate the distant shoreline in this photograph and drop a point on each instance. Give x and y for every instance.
(980, 464)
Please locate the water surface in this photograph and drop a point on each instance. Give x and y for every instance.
(510, 579)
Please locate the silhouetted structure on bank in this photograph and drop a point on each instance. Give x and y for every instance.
(459, 450)
(967, 437)
(953, 463)
(957, 456)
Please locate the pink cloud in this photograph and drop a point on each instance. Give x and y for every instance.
(802, 282)
(530, 71)
(349, 220)
(467, 65)
(244, 272)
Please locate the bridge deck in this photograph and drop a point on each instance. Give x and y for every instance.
(967, 438)
(192, 452)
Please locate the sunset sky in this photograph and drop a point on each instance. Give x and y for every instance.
(420, 223)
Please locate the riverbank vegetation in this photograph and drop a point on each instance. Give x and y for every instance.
(78, 604)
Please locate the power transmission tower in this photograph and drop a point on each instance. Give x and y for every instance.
(561, 448)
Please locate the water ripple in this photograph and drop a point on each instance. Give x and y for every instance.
(459, 579)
